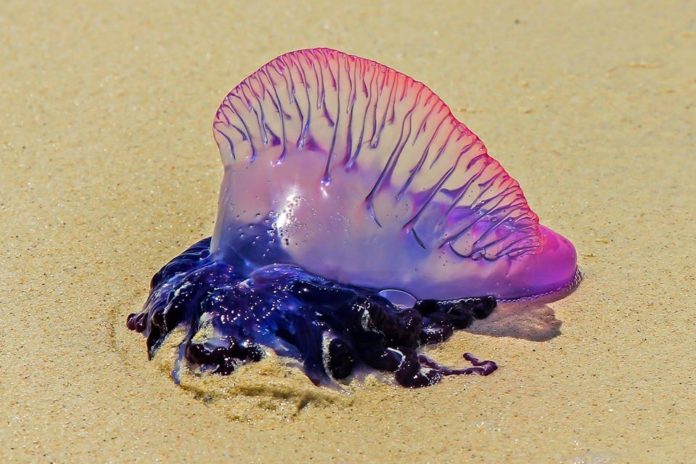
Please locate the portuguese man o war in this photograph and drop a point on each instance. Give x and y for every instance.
(358, 221)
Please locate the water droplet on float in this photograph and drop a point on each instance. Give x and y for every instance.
(399, 298)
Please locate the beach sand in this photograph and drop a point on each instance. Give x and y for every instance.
(109, 169)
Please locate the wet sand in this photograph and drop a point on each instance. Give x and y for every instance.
(109, 169)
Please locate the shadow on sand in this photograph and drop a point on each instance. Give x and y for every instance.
(529, 321)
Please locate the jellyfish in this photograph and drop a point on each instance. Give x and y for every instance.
(358, 222)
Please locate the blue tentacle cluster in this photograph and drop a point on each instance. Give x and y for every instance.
(231, 316)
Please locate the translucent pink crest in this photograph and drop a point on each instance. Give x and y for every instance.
(361, 174)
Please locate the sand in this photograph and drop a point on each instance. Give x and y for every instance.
(109, 169)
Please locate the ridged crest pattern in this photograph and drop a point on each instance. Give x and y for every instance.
(366, 118)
